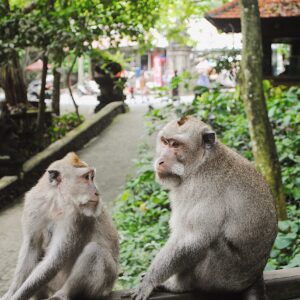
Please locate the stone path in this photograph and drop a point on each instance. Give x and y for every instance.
(112, 153)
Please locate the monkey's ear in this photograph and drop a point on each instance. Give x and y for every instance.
(54, 176)
(209, 138)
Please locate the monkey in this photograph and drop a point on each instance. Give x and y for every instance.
(223, 218)
(70, 246)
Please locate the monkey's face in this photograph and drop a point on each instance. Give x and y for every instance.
(180, 150)
(75, 186)
(85, 194)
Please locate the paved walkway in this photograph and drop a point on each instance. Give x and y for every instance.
(112, 153)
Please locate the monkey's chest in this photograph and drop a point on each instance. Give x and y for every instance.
(195, 216)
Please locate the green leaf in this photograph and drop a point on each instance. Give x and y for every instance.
(295, 262)
(283, 242)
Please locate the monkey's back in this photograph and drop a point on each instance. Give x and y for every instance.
(250, 224)
(237, 207)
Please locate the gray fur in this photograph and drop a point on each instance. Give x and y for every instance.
(66, 249)
(223, 221)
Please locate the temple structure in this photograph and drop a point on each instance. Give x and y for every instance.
(280, 23)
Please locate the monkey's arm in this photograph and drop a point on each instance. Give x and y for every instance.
(60, 248)
(29, 256)
(177, 255)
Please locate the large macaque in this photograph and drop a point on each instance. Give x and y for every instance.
(223, 222)
(70, 245)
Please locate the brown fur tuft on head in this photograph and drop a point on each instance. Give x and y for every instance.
(75, 161)
(182, 120)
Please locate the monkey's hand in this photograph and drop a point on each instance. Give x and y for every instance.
(143, 292)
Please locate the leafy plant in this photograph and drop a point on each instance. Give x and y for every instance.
(141, 214)
(62, 125)
(286, 250)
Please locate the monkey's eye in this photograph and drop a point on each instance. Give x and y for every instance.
(174, 144)
(92, 176)
(86, 176)
(164, 141)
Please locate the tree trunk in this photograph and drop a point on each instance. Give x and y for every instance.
(12, 76)
(56, 92)
(42, 105)
(263, 145)
(12, 81)
(70, 89)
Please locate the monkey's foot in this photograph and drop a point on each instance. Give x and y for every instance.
(127, 294)
(143, 292)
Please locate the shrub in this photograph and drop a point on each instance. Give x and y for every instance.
(62, 125)
(141, 214)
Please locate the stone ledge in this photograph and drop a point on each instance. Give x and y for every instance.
(280, 285)
(11, 186)
(6, 181)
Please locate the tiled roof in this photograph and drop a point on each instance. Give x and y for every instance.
(267, 9)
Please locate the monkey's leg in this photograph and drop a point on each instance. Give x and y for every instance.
(256, 292)
(41, 294)
(178, 283)
(92, 275)
(29, 256)
(61, 247)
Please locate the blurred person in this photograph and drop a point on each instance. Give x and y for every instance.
(175, 86)
(203, 79)
(143, 87)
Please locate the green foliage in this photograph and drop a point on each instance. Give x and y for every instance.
(284, 113)
(103, 57)
(286, 251)
(59, 26)
(62, 125)
(174, 25)
(141, 214)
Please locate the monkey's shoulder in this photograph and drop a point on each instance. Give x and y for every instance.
(238, 172)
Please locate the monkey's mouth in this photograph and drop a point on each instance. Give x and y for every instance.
(166, 175)
(90, 203)
(162, 173)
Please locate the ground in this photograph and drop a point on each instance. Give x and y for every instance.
(112, 153)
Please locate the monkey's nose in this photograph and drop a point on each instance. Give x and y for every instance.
(160, 162)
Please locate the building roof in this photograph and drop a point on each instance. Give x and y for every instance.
(267, 9)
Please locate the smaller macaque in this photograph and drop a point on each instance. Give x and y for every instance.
(70, 245)
(223, 220)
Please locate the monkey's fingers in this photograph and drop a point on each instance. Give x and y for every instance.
(143, 293)
(142, 276)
